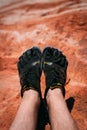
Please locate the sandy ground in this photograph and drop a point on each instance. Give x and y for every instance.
(61, 24)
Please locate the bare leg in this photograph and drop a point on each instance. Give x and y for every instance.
(60, 117)
(26, 118)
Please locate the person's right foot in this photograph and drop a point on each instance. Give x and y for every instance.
(54, 66)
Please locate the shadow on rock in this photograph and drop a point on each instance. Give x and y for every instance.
(70, 103)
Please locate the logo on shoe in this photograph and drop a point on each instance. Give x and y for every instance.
(48, 63)
(35, 63)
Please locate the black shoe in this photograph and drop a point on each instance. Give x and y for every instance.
(54, 66)
(29, 68)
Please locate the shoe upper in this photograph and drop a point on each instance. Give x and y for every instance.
(54, 66)
(29, 68)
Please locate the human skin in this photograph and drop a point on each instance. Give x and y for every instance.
(60, 117)
(26, 117)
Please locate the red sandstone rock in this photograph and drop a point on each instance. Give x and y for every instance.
(60, 24)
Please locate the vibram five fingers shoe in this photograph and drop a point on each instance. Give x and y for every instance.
(29, 68)
(54, 66)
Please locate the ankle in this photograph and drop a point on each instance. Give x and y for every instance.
(32, 95)
(52, 94)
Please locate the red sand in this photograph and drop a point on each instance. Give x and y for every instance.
(60, 24)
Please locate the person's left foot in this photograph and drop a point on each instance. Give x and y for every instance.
(29, 68)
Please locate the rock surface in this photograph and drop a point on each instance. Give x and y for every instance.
(57, 23)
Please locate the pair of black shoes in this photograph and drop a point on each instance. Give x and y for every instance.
(33, 61)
